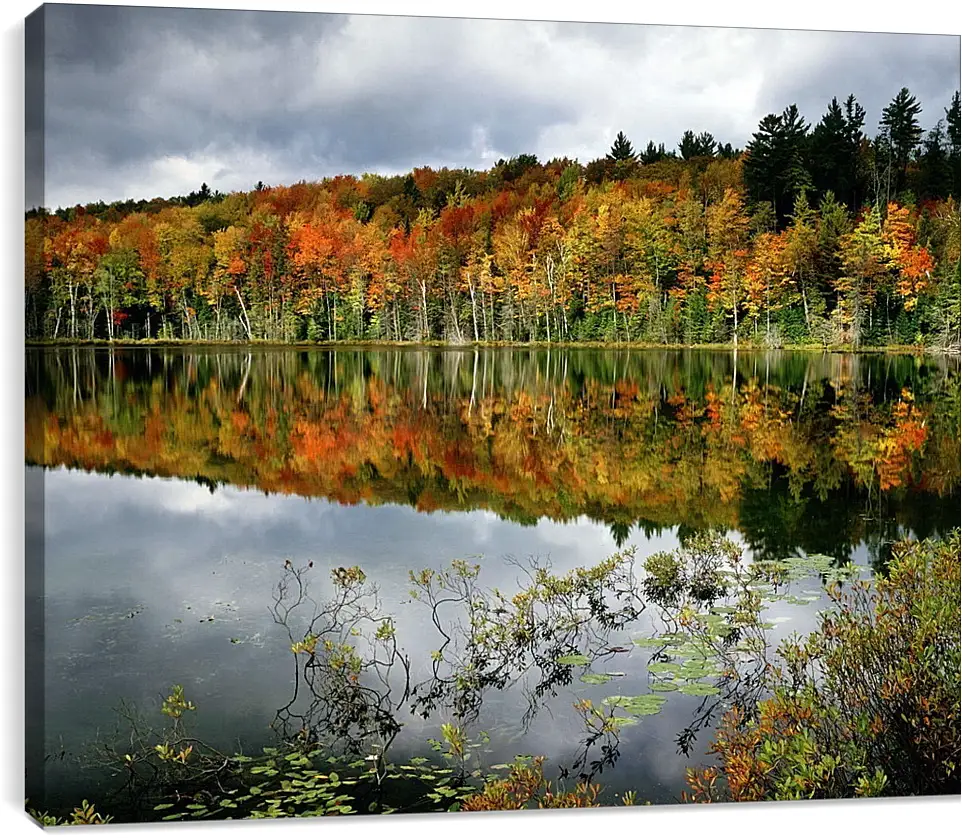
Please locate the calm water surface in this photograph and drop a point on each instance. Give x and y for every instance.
(176, 483)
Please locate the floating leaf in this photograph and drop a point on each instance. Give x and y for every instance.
(573, 660)
(699, 689)
(638, 705)
(595, 678)
(648, 642)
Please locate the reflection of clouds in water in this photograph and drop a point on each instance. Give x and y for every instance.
(116, 544)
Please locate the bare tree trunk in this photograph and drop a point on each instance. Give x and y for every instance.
(474, 308)
(549, 273)
(454, 317)
(94, 311)
(768, 312)
(614, 311)
(72, 293)
(735, 312)
(245, 321)
(191, 331)
(425, 332)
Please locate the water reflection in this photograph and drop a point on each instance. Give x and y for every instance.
(224, 628)
(794, 450)
(402, 460)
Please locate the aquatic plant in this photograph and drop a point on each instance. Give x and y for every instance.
(83, 815)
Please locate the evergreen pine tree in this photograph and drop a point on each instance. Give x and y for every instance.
(900, 134)
(702, 145)
(935, 172)
(621, 149)
(835, 150)
(777, 165)
(952, 127)
(653, 153)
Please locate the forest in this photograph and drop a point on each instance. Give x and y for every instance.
(813, 234)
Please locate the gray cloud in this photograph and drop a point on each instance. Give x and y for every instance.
(873, 66)
(150, 101)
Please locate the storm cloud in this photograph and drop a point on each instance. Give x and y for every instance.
(144, 102)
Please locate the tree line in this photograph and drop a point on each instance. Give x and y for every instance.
(808, 235)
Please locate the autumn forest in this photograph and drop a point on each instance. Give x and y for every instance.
(813, 234)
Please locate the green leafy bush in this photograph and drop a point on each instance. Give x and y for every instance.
(866, 705)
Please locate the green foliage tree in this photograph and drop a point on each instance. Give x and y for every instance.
(621, 149)
(702, 145)
(899, 135)
(653, 153)
(836, 150)
(864, 264)
(568, 182)
(867, 705)
(935, 178)
(952, 122)
(728, 152)
(776, 167)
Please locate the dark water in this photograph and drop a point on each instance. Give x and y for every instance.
(177, 483)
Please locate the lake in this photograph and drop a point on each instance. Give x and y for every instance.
(181, 486)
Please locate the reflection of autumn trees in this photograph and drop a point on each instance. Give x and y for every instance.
(661, 438)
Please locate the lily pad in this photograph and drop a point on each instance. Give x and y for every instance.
(694, 673)
(649, 642)
(699, 689)
(573, 660)
(595, 678)
(637, 705)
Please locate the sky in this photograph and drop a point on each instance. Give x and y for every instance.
(144, 102)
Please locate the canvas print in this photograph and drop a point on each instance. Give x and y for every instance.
(452, 415)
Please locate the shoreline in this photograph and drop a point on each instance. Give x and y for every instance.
(131, 343)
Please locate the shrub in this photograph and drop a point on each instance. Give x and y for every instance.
(867, 705)
(83, 815)
(524, 787)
